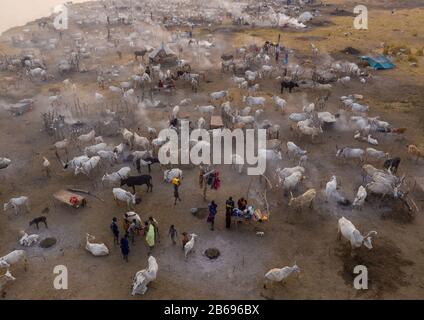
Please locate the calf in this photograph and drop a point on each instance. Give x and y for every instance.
(38, 220)
(300, 201)
(138, 181)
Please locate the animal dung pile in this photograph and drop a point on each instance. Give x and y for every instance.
(212, 253)
(384, 263)
(48, 242)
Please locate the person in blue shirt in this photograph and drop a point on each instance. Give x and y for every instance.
(212, 212)
(125, 247)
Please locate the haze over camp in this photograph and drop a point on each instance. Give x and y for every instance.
(221, 149)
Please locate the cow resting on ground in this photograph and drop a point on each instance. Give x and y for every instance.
(96, 249)
(144, 277)
(28, 240)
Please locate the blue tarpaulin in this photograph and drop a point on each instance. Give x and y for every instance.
(378, 62)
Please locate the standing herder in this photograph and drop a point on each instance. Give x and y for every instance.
(212, 213)
(286, 56)
(229, 206)
(150, 237)
(201, 174)
(132, 230)
(125, 247)
(115, 230)
(277, 52)
(176, 182)
(155, 224)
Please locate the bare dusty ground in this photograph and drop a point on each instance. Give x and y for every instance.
(307, 238)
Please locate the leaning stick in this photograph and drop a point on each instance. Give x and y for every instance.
(85, 192)
(266, 203)
(267, 180)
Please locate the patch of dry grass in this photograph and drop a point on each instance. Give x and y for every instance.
(400, 30)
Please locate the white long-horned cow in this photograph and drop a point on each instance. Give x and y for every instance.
(280, 274)
(254, 101)
(96, 249)
(17, 204)
(87, 166)
(91, 151)
(117, 176)
(293, 149)
(189, 245)
(218, 95)
(144, 277)
(125, 196)
(361, 195)
(85, 138)
(12, 258)
(349, 232)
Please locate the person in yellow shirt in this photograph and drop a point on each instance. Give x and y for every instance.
(176, 182)
(150, 238)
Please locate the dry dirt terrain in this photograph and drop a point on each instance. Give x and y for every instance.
(395, 264)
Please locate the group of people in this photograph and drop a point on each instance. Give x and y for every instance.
(277, 49)
(133, 227)
(150, 229)
(229, 207)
